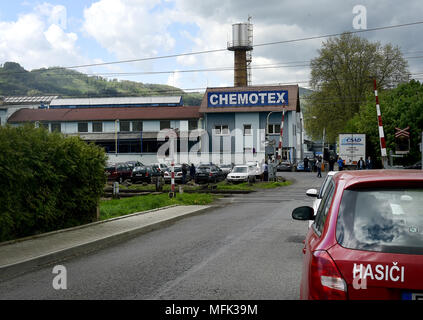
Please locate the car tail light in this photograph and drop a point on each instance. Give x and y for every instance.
(211, 174)
(166, 173)
(326, 283)
(146, 174)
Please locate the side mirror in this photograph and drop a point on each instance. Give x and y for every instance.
(303, 213)
(312, 193)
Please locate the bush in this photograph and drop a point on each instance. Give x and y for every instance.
(48, 181)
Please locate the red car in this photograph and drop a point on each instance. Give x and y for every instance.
(366, 241)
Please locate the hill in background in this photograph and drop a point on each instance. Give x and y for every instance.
(66, 83)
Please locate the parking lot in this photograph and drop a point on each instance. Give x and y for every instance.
(247, 247)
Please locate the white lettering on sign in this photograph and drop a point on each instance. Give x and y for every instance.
(213, 99)
(379, 272)
(253, 98)
(243, 98)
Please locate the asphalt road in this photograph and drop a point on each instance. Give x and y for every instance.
(248, 248)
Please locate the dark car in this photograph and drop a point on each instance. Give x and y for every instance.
(118, 172)
(417, 165)
(284, 166)
(145, 174)
(209, 174)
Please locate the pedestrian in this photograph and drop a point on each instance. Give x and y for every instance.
(319, 167)
(184, 173)
(340, 164)
(331, 163)
(192, 171)
(305, 164)
(265, 171)
(361, 164)
(369, 163)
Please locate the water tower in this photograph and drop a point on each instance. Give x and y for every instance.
(242, 45)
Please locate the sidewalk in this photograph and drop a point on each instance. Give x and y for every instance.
(20, 256)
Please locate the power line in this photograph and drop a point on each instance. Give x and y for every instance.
(225, 49)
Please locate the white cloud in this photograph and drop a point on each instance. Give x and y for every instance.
(34, 43)
(128, 28)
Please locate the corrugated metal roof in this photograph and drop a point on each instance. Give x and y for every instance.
(116, 101)
(28, 99)
(105, 114)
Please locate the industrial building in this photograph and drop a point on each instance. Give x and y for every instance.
(232, 124)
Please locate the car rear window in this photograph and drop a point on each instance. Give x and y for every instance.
(382, 220)
(203, 169)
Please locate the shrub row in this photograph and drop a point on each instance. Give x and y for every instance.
(47, 181)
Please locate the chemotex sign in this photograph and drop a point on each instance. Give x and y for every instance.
(247, 98)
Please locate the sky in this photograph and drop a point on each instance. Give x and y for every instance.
(51, 33)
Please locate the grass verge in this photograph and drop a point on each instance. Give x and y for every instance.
(119, 207)
(223, 185)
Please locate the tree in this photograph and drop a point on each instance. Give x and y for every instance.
(400, 107)
(341, 78)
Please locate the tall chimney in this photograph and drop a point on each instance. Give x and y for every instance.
(241, 45)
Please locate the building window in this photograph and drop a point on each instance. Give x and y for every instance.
(192, 125)
(165, 124)
(221, 129)
(124, 126)
(97, 126)
(56, 127)
(44, 125)
(274, 129)
(247, 130)
(137, 125)
(82, 126)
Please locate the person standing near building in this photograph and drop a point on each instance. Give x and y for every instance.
(192, 172)
(265, 169)
(369, 163)
(305, 164)
(340, 164)
(319, 167)
(360, 164)
(331, 163)
(184, 173)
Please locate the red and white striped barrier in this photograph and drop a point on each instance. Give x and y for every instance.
(172, 177)
(379, 119)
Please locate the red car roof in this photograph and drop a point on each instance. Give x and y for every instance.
(387, 177)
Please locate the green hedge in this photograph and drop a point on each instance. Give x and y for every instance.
(47, 181)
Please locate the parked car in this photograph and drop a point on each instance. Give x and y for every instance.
(145, 174)
(226, 168)
(243, 173)
(118, 172)
(417, 165)
(209, 174)
(366, 238)
(284, 166)
(178, 174)
(133, 164)
(161, 166)
(257, 168)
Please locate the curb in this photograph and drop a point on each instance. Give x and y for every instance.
(21, 267)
